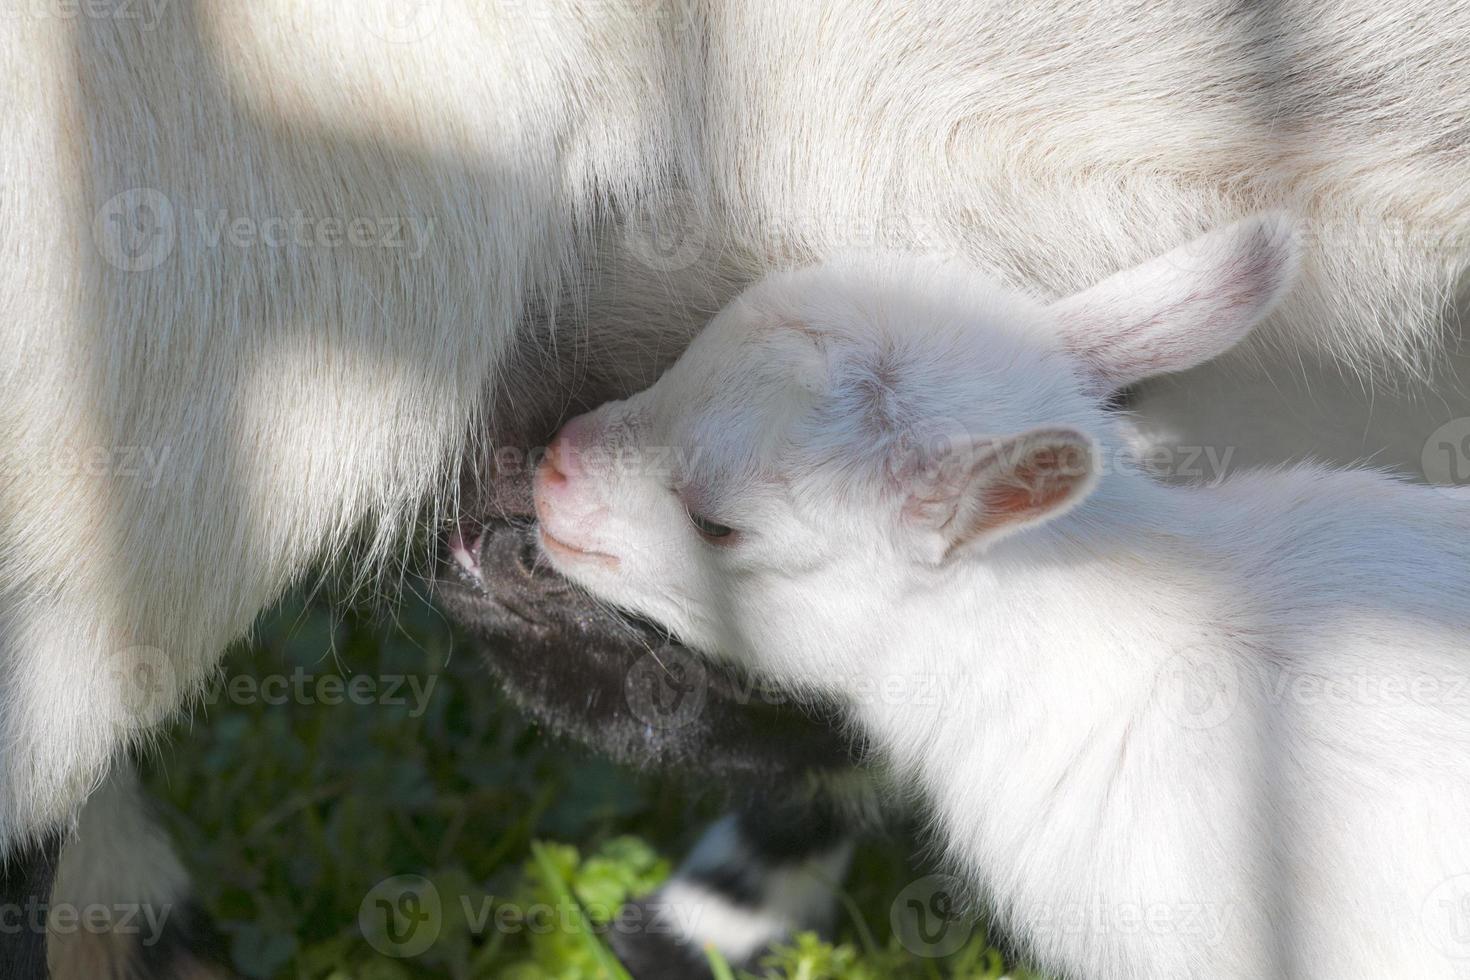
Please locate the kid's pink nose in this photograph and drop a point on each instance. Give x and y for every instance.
(561, 456)
(551, 473)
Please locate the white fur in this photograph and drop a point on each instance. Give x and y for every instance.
(1167, 732)
(119, 886)
(308, 398)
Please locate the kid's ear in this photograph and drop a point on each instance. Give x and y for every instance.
(981, 490)
(1185, 307)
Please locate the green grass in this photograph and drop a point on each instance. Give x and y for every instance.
(292, 810)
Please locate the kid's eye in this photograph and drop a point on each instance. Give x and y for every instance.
(710, 529)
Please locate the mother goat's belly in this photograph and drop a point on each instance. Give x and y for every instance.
(235, 333)
(271, 255)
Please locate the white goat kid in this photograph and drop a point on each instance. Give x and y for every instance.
(904, 492)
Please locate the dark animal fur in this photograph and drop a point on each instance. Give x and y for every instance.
(26, 875)
(588, 673)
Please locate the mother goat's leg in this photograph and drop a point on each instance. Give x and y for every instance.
(26, 873)
(128, 903)
(251, 329)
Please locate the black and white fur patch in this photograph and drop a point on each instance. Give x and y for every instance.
(123, 906)
(757, 877)
(26, 875)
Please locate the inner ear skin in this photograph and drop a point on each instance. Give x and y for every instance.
(1005, 504)
(1043, 481)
